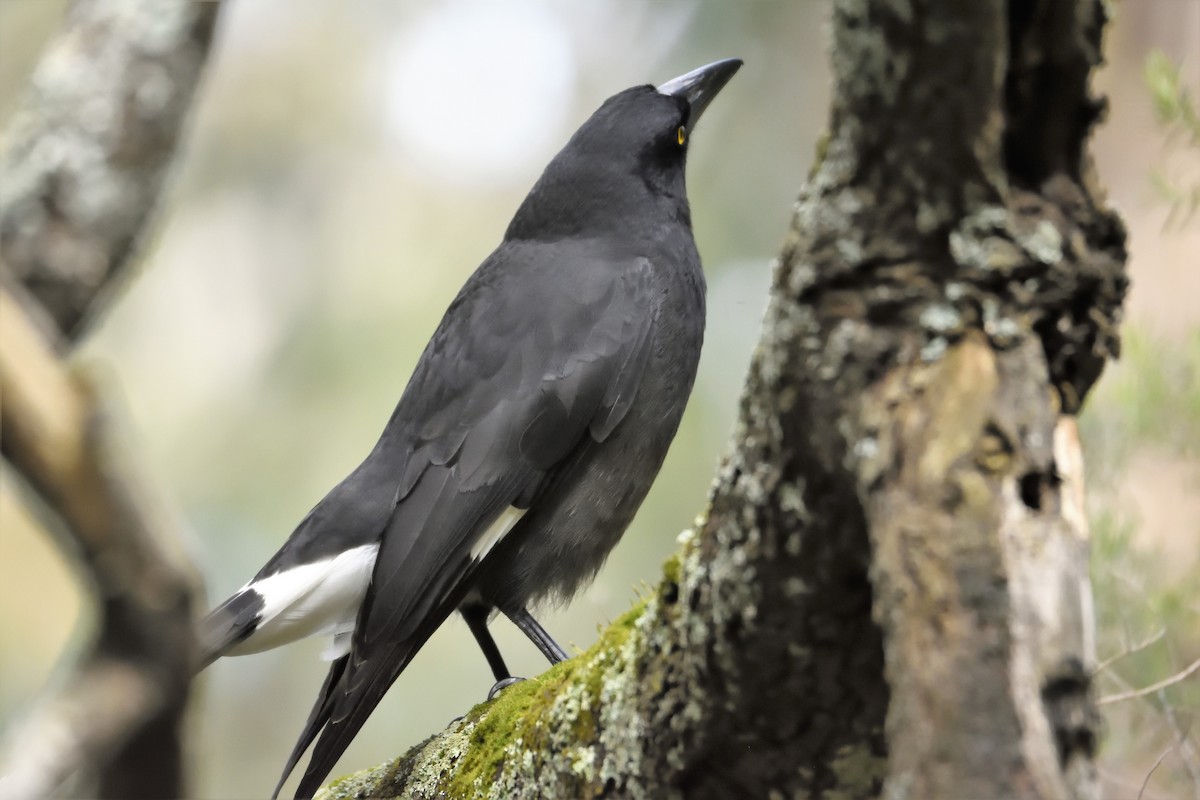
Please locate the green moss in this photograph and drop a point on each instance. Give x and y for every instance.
(670, 587)
(527, 720)
(671, 569)
(858, 772)
(350, 787)
(619, 631)
(819, 156)
(492, 732)
(522, 718)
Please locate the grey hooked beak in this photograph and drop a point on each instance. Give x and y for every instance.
(700, 86)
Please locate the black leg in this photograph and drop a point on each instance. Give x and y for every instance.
(537, 634)
(477, 619)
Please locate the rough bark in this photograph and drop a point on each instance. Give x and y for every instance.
(888, 593)
(83, 167)
(86, 152)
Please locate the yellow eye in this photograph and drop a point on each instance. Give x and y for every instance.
(681, 135)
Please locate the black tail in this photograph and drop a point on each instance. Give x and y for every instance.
(358, 690)
(229, 623)
(317, 718)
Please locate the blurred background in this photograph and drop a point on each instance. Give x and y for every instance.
(349, 164)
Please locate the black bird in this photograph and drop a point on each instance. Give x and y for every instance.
(529, 433)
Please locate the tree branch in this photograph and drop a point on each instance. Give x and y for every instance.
(125, 701)
(86, 152)
(1153, 688)
(1130, 650)
(84, 161)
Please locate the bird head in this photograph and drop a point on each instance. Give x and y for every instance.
(630, 154)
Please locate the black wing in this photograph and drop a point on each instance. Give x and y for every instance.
(541, 349)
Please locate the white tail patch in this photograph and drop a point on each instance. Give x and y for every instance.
(311, 599)
(339, 646)
(498, 529)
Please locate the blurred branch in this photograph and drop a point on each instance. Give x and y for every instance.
(1183, 744)
(87, 150)
(1157, 762)
(135, 678)
(83, 162)
(1137, 648)
(1187, 750)
(1178, 677)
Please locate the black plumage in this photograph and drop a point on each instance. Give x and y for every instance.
(530, 431)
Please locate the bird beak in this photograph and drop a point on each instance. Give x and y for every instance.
(700, 86)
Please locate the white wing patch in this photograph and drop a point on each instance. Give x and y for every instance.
(311, 599)
(492, 536)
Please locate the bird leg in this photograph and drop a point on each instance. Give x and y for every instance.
(476, 617)
(537, 634)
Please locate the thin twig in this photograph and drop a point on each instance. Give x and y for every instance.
(1128, 651)
(1146, 780)
(1187, 752)
(1171, 681)
(1117, 784)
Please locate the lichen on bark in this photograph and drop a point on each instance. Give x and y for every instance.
(88, 147)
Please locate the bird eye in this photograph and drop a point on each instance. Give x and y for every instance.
(681, 135)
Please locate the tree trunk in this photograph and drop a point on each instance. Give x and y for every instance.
(83, 163)
(888, 593)
(87, 150)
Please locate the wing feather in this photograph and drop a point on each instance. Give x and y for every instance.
(534, 357)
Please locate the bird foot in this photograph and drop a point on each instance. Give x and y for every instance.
(501, 686)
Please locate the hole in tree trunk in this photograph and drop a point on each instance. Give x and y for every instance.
(1031, 490)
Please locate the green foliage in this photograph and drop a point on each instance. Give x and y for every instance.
(1159, 392)
(1177, 112)
(1151, 397)
(1172, 101)
(1147, 603)
(1147, 632)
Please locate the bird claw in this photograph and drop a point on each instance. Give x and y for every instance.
(501, 686)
